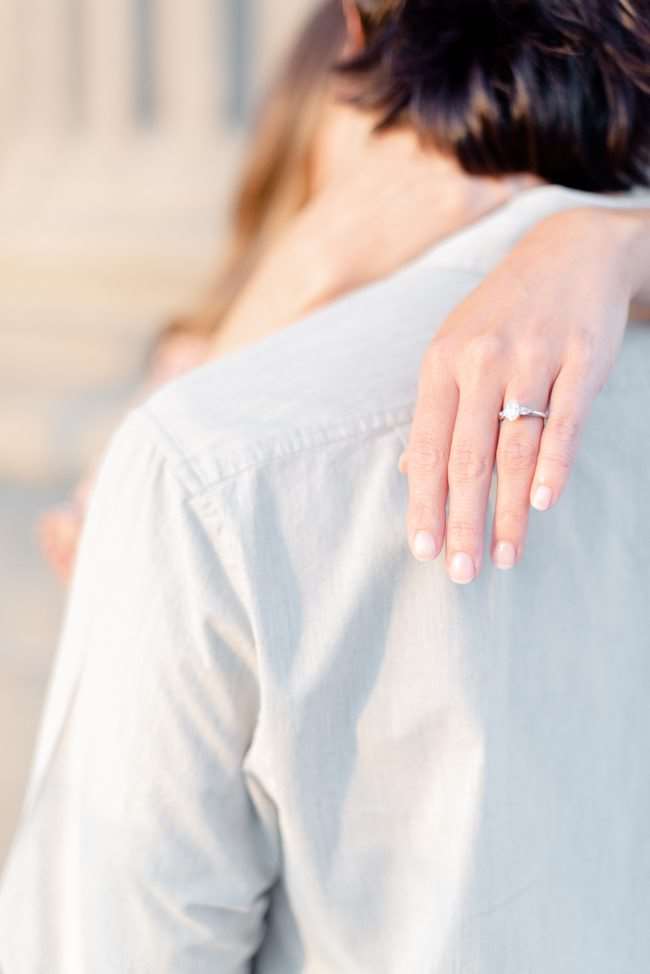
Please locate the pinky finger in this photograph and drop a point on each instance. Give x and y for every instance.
(559, 444)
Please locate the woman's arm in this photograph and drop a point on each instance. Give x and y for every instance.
(637, 255)
(544, 328)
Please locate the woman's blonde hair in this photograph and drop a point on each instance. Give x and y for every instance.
(276, 178)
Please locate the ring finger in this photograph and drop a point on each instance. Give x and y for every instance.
(517, 451)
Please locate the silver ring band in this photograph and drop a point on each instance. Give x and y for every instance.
(513, 409)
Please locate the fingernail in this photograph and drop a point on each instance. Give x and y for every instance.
(401, 463)
(504, 555)
(542, 498)
(424, 546)
(461, 568)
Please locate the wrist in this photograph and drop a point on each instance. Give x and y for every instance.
(614, 243)
(633, 233)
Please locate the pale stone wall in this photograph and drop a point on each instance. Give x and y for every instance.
(120, 133)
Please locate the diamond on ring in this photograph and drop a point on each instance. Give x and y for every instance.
(513, 409)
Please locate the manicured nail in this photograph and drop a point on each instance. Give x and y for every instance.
(504, 555)
(542, 498)
(461, 568)
(424, 546)
(402, 463)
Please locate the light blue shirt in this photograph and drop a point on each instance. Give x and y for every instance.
(275, 742)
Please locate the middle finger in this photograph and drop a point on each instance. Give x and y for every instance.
(471, 464)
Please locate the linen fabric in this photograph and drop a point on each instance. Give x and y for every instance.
(274, 742)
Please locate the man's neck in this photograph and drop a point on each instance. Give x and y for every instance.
(395, 200)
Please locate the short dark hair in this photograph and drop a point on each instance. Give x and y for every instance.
(558, 88)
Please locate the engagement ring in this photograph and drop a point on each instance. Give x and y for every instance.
(513, 410)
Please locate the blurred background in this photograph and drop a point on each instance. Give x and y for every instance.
(122, 124)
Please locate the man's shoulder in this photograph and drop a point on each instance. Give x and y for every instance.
(348, 370)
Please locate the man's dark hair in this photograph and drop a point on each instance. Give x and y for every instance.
(558, 88)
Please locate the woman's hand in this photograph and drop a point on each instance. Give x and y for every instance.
(544, 328)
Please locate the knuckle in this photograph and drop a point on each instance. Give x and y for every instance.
(426, 409)
(560, 443)
(435, 349)
(468, 465)
(425, 455)
(532, 356)
(599, 379)
(435, 357)
(464, 533)
(581, 369)
(511, 520)
(516, 455)
(583, 359)
(558, 461)
(484, 352)
(422, 495)
(423, 514)
(583, 345)
(563, 430)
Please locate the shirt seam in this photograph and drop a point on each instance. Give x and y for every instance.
(294, 442)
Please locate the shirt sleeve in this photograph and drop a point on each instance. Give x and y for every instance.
(145, 846)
